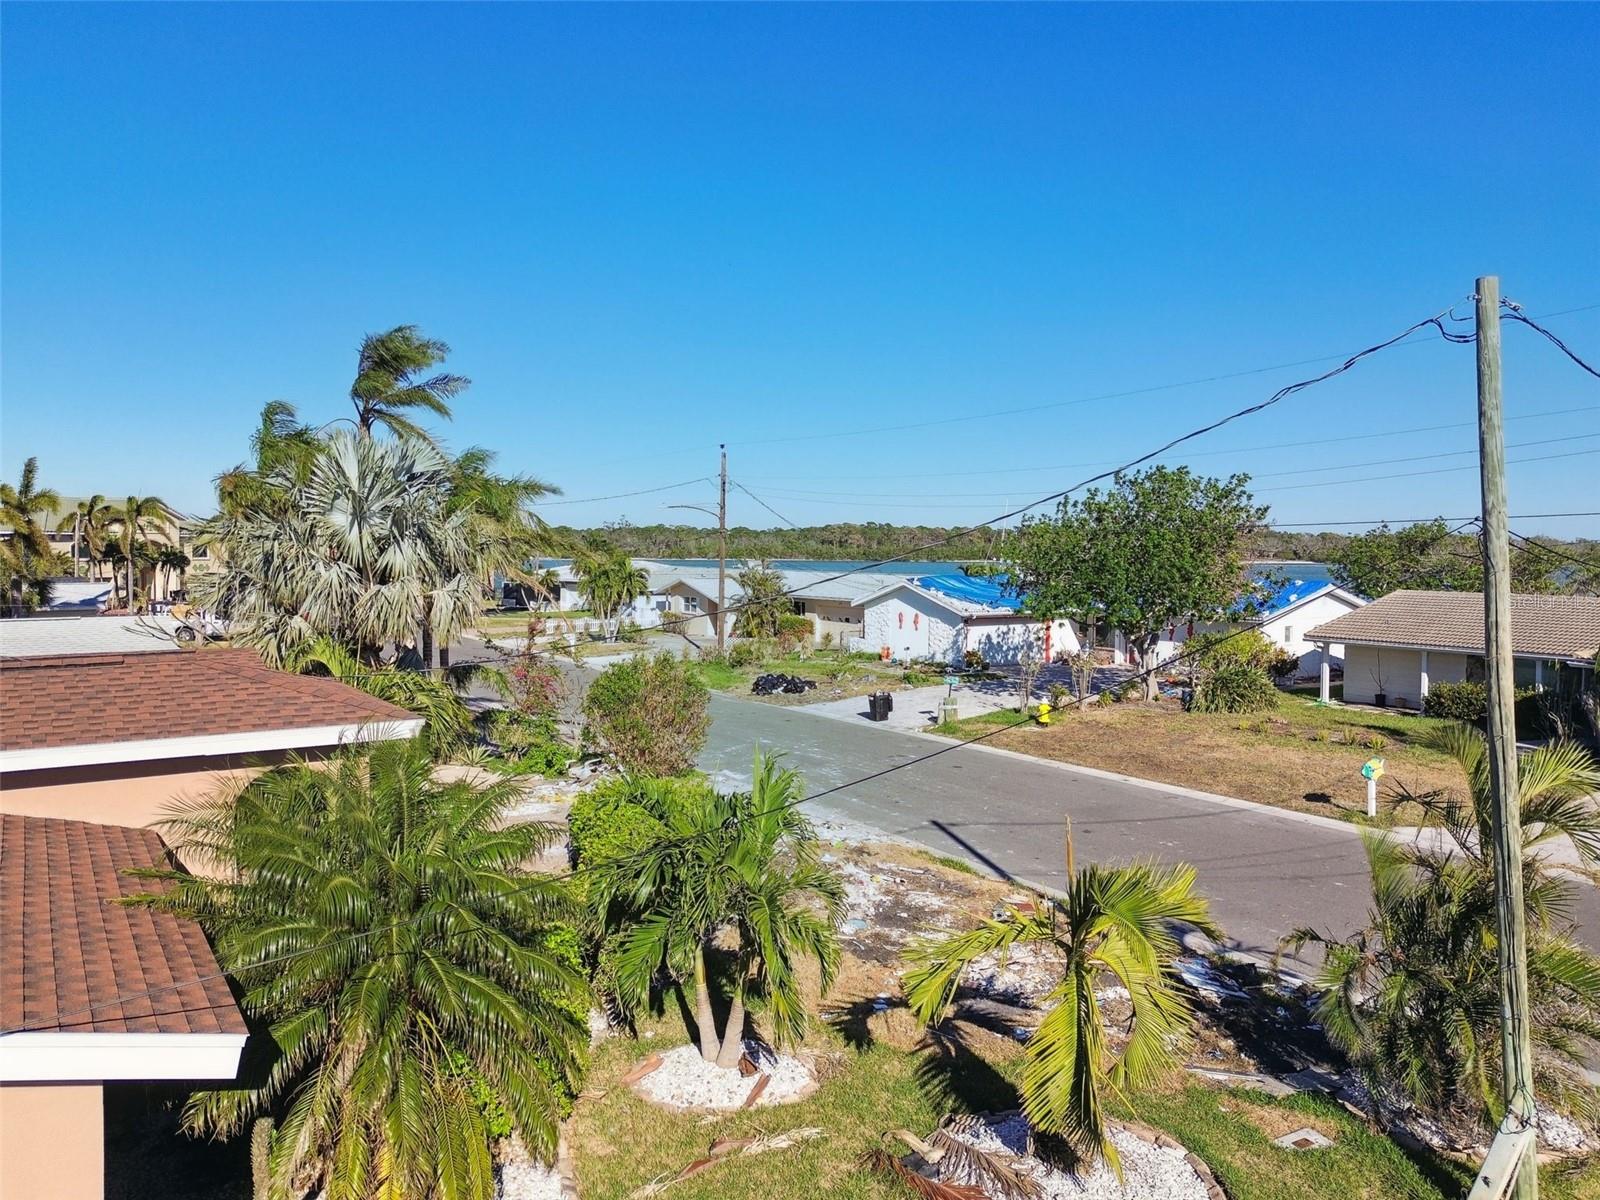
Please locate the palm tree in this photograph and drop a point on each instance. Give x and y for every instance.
(389, 381)
(407, 968)
(1113, 922)
(1414, 996)
(744, 865)
(610, 581)
(88, 528)
(447, 719)
(168, 560)
(26, 556)
(131, 519)
(282, 447)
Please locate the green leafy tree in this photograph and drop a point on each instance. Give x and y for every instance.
(744, 866)
(392, 382)
(26, 556)
(1161, 547)
(284, 450)
(1414, 995)
(130, 521)
(651, 714)
(1113, 922)
(609, 581)
(408, 971)
(1428, 556)
(765, 602)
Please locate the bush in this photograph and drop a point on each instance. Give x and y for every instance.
(794, 631)
(1457, 702)
(1231, 673)
(609, 823)
(974, 661)
(917, 678)
(529, 745)
(744, 654)
(1282, 665)
(650, 714)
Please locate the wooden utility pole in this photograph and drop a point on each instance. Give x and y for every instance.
(722, 551)
(1515, 1036)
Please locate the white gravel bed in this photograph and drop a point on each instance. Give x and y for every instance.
(1149, 1172)
(521, 1177)
(686, 1080)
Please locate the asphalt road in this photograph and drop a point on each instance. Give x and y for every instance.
(1265, 872)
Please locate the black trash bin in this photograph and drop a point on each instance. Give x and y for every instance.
(888, 702)
(877, 710)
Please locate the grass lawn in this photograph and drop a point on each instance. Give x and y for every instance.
(836, 677)
(1300, 755)
(880, 1075)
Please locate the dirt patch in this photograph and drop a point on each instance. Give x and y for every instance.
(1268, 760)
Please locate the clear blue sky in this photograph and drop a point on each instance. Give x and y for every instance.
(648, 229)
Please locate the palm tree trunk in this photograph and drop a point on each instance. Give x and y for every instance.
(425, 644)
(705, 1019)
(733, 1032)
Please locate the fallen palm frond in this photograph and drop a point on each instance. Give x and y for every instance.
(881, 1162)
(995, 1172)
(725, 1148)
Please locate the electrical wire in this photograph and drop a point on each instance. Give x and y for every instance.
(1514, 312)
(1511, 462)
(666, 487)
(763, 504)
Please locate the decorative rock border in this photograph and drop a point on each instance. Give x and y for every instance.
(654, 1061)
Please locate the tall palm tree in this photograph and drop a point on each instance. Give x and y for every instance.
(131, 519)
(391, 381)
(89, 522)
(1414, 995)
(745, 865)
(1113, 922)
(409, 971)
(284, 449)
(170, 559)
(609, 581)
(26, 556)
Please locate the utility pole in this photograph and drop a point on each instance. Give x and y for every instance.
(1515, 1037)
(722, 551)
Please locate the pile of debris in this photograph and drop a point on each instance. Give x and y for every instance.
(771, 685)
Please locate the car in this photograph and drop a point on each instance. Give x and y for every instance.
(195, 624)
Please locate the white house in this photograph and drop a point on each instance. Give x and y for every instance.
(1285, 619)
(1398, 647)
(942, 617)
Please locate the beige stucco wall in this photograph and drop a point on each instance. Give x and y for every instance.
(126, 793)
(1399, 671)
(52, 1141)
(835, 617)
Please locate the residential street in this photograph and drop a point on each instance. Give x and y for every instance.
(1266, 872)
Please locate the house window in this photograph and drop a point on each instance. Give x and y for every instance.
(1288, 634)
(691, 604)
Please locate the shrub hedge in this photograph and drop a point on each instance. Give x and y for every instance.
(650, 714)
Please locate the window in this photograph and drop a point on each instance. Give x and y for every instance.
(691, 604)
(1288, 634)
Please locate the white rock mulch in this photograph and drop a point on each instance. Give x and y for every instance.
(686, 1080)
(522, 1177)
(1150, 1172)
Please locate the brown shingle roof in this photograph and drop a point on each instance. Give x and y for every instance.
(67, 948)
(93, 699)
(1546, 626)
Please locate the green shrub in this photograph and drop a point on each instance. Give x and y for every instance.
(974, 661)
(794, 631)
(1374, 741)
(1281, 664)
(744, 654)
(1463, 701)
(609, 822)
(529, 745)
(917, 678)
(650, 714)
(1233, 687)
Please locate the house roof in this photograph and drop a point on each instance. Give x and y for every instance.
(951, 603)
(67, 946)
(1293, 594)
(1565, 627)
(156, 704)
(30, 637)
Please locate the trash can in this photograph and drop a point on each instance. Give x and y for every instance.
(888, 702)
(877, 707)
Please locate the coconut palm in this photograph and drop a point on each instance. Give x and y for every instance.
(744, 867)
(609, 581)
(27, 557)
(284, 450)
(407, 969)
(170, 559)
(391, 382)
(130, 520)
(1112, 923)
(1413, 996)
(89, 521)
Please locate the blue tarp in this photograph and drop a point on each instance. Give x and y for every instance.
(991, 591)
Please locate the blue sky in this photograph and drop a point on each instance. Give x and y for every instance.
(645, 230)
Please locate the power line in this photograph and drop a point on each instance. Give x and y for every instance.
(1514, 312)
(1353, 437)
(765, 505)
(666, 487)
(1293, 487)
(1420, 520)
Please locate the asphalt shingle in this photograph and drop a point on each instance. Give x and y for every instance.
(1566, 627)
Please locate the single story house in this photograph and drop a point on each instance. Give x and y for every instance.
(1397, 647)
(93, 995)
(1284, 618)
(117, 737)
(942, 617)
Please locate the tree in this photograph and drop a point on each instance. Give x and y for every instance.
(1413, 996)
(89, 533)
(1115, 921)
(27, 556)
(745, 866)
(1161, 547)
(168, 560)
(650, 713)
(391, 381)
(610, 581)
(364, 551)
(766, 602)
(412, 976)
(131, 520)
(284, 450)
(1429, 556)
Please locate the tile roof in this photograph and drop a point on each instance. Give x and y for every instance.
(1548, 626)
(66, 946)
(95, 699)
(26, 637)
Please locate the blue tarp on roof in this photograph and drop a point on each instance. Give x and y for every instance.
(991, 591)
(1290, 592)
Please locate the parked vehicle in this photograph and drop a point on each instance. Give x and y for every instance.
(198, 624)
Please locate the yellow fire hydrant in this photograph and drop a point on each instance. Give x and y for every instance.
(1043, 715)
